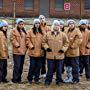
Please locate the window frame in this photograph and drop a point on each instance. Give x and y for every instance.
(59, 9)
(1, 6)
(29, 8)
(85, 7)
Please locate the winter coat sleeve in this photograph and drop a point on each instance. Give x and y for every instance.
(65, 42)
(45, 42)
(77, 40)
(29, 44)
(14, 39)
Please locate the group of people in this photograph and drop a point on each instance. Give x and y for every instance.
(51, 50)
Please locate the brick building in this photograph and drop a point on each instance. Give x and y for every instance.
(50, 8)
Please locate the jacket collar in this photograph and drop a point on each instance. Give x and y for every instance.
(70, 30)
(53, 33)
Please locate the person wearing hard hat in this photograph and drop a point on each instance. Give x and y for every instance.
(18, 39)
(35, 51)
(43, 24)
(62, 28)
(55, 43)
(44, 29)
(84, 49)
(62, 25)
(72, 54)
(3, 51)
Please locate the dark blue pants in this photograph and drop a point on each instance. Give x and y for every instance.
(18, 67)
(58, 67)
(74, 63)
(43, 67)
(89, 59)
(63, 70)
(54, 67)
(3, 69)
(85, 63)
(34, 69)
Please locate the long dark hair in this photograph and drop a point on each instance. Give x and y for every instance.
(88, 28)
(70, 30)
(45, 24)
(4, 32)
(35, 31)
(63, 29)
(81, 29)
(23, 29)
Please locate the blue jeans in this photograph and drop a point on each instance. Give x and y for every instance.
(3, 69)
(89, 59)
(18, 67)
(74, 63)
(43, 67)
(34, 68)
(58, 67)
(85, 63)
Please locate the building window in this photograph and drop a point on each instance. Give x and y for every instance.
(28, 4)
(1, 3)
(87, 4)
(59, 4)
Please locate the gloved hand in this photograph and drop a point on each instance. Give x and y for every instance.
(42, 48)
(61, 51)
(49, 50)
(87, 47)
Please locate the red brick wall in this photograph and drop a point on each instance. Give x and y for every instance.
(7, 9)
(76, 11)
(85, 13)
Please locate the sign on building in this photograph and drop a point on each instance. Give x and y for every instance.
(67, 6)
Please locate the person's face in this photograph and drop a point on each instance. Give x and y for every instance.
(37, 24)
(42, 19)
(83, 26)
(5, 28)
(56, 27)
(71, 25)
(21, 25)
